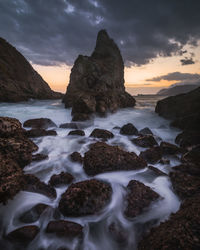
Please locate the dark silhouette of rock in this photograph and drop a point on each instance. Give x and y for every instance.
(41, 123)
(169, 149)
(33, 184)
(181, 231)
(164, 161)
(33, 214)
(190, 169)
(97, 82)
(183, 109)
(188, 138)
(39, 157)
(61, 179)
(176, 90)
(63, 228)
(152, 155)
(39, 132)
(77, 132)
(193, 156)
(76, 157)
(139, 197)
(101, 133)
(129, 129)
(145, 141)
(18, 80)
(105, 158)
(85, 198)
(23, 234)
(72, 125)
(145, 131)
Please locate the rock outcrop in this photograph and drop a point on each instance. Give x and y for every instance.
(97, 81)
(18, 80)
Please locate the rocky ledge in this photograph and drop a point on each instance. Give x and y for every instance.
(97, 81)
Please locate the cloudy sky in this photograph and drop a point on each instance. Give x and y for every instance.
(159, 39)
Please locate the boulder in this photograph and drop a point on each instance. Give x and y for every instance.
(145, 141)
(128, 129)
(101, 133)
(105, 158)
(10, 127)
(39, 157)
(188, 138)
(33, 214)
(138, 198)
(77, 132)
(72, 125)
(181, 231)
(61, 179)
(33, 184)
(152, 155)
(193, 156)
(63, 228)
(145, 131)
(18, 80)
(76, 157)
(23, 234)
(85, 198)
(97, 81)
(190, 169)
(38, 132)
(169, 149)
(39, 123)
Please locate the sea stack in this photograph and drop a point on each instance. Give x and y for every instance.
(97, 81)
(18, 80)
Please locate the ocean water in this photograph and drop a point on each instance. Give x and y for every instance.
(96, 233)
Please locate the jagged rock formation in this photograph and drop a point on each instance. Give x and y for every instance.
(18, 80)
(97, 81)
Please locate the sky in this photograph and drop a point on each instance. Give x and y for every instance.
(159, 39)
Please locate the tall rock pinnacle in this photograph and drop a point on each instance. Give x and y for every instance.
(97, 82)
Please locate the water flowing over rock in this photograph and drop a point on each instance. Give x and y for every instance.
(105, 158)
(18, 80)
(39, 123)
(97, 81)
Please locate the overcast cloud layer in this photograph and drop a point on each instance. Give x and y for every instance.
(51, 32)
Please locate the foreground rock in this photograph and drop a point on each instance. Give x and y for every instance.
(169, 149)
(76, 157)
(152, 155)
(63, 228)
(181, 231)
(18, 80)
(129, 129)
(77, 132)
(188, 138)
(38, 132)
(10, 127)
(23, 234)
(97, 82)
(101, 133)
(138, 198)
(61, 179)
(85, 198)
(42, 123)
(193, 156)
(105, 158)
(145, 131)
(145, 141)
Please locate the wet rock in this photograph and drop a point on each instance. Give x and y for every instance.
(169, 149)
(118, 233)
(33, 214)
(139, 197)
(77, 132)
(39, 157)
(61, 179)
(185, 184)
(101, 133)
(97, 82)
(145, 141)
(188, 138)
(11, 179)
(33, 184)
(76, 157)
(85, 198)
(193, 156)
(145, 131)
(38, 132)
(18, 148)
(23, 234)
(151, 155)
(164, 161)
(181, 231)
(157, 171)
(128, 129)
(105, 158)
(116, 127)
(39, 123)
(63, 228)
(72, 125)
(190, 169)
(10, 127)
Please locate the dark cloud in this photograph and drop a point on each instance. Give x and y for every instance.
(177, 76)
(52, 32)
(187, 61)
